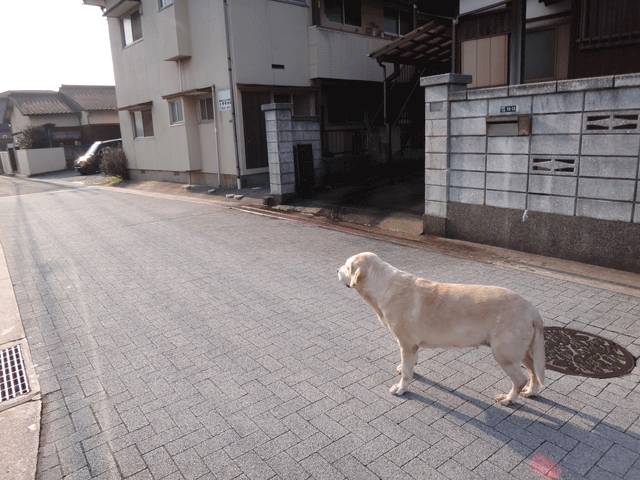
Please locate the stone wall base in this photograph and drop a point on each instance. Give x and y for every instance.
(435, 226)
(587, 240)
(199, 178)
(282, 198)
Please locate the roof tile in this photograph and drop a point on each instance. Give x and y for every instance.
(91, 97)
(40, 102)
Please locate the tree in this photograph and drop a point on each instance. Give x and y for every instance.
(35, 137)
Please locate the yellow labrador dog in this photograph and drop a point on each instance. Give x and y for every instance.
(421, 313)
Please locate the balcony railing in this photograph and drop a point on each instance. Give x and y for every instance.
(608, 23)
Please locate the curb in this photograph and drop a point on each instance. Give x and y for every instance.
(19, 416)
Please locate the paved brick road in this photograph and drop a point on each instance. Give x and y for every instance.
(177, 340)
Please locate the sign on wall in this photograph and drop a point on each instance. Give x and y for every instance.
(509, 109)
(66, 135)
(224, 100)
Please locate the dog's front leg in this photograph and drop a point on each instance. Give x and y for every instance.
(409, 360)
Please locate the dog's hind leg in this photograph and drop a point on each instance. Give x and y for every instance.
(518, 379)
(531, 390)
(409, 360)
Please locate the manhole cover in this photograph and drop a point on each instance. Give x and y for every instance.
(580, 353)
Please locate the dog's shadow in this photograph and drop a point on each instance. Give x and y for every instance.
(537, 419)
(455, 392)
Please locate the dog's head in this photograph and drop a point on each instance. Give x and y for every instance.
(353, 272)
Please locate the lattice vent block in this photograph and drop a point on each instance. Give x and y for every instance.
(612, 122)
(553, 165)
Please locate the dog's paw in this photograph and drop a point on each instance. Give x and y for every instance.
(502, 399)
(529, 392)
(399, 369)
(397, 389)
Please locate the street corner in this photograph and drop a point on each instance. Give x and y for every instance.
(20, 428)
(20, 412)
(20, 400)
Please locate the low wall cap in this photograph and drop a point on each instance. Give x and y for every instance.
(445, 79)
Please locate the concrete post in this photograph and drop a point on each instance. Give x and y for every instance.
(280, 150)
(437, 92)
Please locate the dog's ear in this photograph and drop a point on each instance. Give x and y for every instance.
(357, 277)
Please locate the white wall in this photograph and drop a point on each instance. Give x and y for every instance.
(342, 55)
(19, 121)
(266, 33)
(6, 163)
(41, 160)
(99, 117)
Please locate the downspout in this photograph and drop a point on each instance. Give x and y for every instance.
(384, 110)
(182, 99)
(516, 42)
(215, 127)
(232, 91)
(454, 22)
(88, 124)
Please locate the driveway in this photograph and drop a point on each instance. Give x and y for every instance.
(175, 339)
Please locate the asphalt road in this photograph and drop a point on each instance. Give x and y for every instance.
(180, 340)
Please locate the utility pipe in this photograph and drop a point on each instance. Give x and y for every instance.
(384, 110)
(215, 127)
(516, 42)
(232, 91)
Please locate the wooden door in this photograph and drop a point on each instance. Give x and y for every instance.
(255, 134)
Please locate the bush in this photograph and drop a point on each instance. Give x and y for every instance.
(114, 163)
(34, 137)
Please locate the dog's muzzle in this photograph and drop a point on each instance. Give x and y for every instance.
(343, 277)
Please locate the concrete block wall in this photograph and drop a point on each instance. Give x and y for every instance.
(284, 130)
(438, 130)
(306, 129)
(549, 168)
(580, 159)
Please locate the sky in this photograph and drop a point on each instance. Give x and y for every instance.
(49, 43)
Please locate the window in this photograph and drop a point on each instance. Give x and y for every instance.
(164, 3)
(346, 12)
(539, 55)
(142, 123)
(206, 109)
(546, 54)
(397, 22)
(282, 98)
(131, 28)
(176, 112)
(301, 105)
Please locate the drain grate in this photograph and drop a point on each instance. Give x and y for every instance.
(573, 352)
(13, 375)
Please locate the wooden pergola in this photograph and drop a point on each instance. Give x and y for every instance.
(430, 43)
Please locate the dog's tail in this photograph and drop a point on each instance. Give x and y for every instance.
(537, 350)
